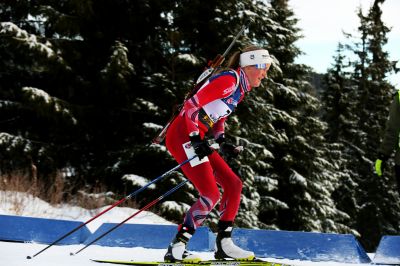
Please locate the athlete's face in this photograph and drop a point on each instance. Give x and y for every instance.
(255, 75)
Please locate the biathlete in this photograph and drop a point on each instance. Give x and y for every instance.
(206, 112)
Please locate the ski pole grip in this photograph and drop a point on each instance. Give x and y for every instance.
(215, 146)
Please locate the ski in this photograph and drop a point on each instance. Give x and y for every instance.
(257, 262)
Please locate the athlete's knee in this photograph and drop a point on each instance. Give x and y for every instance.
(212, 197)
(215, 197)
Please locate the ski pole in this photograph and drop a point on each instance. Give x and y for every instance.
(166, 194)
(114, 205)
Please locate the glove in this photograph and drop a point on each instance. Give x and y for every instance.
(380, 164)
(201, 147)
(228, 150)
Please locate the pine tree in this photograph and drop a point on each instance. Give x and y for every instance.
(362, 100)
(340, 113)
(376, 195)
(302, 160)
(338, 109)
(282, 34)
(30, 59)
(77, 57)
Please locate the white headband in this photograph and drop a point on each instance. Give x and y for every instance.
(256, 57)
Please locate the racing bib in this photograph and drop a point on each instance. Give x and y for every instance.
(187, 147)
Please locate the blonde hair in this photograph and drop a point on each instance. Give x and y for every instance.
(233, 61)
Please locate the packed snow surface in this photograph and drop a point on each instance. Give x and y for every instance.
(15, 254)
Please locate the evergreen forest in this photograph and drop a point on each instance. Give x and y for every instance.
(86, 85)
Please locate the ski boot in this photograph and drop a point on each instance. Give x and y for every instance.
(224, 246)
(177, 248)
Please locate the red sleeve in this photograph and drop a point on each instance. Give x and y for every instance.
(218, 88)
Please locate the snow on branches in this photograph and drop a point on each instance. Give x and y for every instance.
(50, 104)
(30, 40)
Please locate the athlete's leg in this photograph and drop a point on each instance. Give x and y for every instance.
(201, 176)
(231, 185)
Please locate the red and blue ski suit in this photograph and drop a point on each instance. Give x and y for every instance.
(206, 112)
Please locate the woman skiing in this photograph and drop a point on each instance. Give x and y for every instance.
(206, 112)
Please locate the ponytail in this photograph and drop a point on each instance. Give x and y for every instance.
(233, 61)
